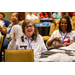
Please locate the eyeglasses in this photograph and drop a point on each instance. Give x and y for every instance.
(29, 26)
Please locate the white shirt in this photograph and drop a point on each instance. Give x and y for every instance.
(31, 17)
(70, 37)
(38, 46)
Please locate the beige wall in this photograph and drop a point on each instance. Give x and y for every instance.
(8, 15)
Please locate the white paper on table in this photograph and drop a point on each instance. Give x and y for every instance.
(70, 47)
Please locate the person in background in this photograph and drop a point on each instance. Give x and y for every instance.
(31, 16)
(31, 38)
(15, 19)
(36, 14)
(6, 22)
(43, 15)
(2, 17)
(64, 36)
(73, 13)
(56, 15)
(64, 14)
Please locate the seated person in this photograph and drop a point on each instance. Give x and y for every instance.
(56, 15)
(15, 19)
(36, 14)
(64, 36)
(43, 15)
(31, 16)
(64, 14)
(30, 38)
(2, 16)
(6, 22)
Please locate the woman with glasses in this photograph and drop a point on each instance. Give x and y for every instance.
(31, 39)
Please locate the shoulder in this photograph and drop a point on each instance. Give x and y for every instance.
(72, 32)
(39, 37)
(10, 24)
(56, 31)
(20, 23)
(40, 14)
(33, 15)
(6, 21)
(28, 14)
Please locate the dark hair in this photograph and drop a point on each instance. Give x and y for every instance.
(69, 27)
(18, 15)
(70, 14)
(34, 36)
(64, 13)
(43, 13)
(2, 14)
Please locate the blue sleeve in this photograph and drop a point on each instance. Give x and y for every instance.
(6, 23)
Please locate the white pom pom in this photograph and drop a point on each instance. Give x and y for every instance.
(17, 30)
(1, 23)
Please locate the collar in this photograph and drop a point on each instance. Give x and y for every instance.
(26, 37)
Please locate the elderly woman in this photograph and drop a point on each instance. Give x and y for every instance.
(30, 38)
(64, 36)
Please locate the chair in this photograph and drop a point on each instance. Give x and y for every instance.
(52, 28)
(2, 37)
(36, 20)
(73, 18)
(18, 55)
(74, 24)
(57, 26)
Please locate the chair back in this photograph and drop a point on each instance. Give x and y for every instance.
(52, 28)
(36, 20)
(57, 26)
(1, 42)
(18, 55)
(73, 18)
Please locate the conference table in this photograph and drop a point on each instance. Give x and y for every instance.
(60, 55)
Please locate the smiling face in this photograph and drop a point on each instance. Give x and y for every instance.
(13, 17)
(29, 30)
(63, 25)
(1, 17)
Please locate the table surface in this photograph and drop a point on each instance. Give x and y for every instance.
(54, 51)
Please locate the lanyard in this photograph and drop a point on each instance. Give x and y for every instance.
(63, 38)
(11, 27)
(30, 47)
